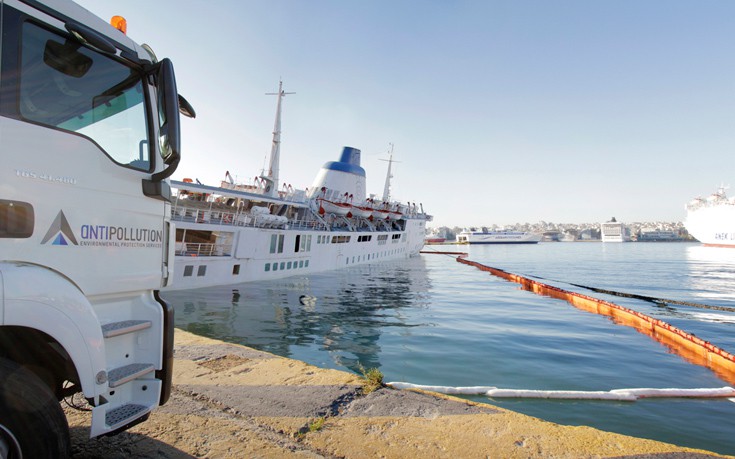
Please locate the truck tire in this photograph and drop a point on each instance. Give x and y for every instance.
(31, 419)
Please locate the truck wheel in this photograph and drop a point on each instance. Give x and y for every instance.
(32, 423)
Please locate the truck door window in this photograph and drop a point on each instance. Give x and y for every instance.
(70, 87)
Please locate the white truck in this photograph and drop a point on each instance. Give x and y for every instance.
(89, 134)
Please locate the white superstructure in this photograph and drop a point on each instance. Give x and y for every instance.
(614, 231)
(712, 220)
(486, 236)
(242, 233)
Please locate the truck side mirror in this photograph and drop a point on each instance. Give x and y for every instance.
(169, 136)
(168, 112)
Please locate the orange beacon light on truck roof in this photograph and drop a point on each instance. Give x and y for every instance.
(120, 24)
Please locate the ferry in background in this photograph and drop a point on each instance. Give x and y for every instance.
(436, 236)
(614, 231)
(712, 220)
(472, 236)
(236, 233)
(657, 235)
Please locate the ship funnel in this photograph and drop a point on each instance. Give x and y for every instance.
(351, 156)
(345, 176)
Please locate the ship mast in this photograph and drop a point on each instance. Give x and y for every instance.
(386, 189)
(271, 178)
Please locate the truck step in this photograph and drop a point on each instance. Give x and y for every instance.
(122, 375)
(124, 414)
(126, 326)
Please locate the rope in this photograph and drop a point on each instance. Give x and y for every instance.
(436, 252)
(651, 299)
(662, 301)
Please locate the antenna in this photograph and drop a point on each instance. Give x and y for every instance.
(389, 175)
(273, 169)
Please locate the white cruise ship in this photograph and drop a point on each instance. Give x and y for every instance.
(614, 231)
(712, 220)
(236, 233)
(472, 236)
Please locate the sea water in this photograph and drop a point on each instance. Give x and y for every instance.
(432, 321)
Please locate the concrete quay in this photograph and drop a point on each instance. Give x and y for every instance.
(231, 401)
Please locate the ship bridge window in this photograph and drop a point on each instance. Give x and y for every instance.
(340, 239)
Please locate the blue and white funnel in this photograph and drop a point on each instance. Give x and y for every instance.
(345, 176)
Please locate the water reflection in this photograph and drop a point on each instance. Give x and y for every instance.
(711, 273)
(341, 314)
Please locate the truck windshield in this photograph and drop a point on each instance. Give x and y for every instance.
(70, 87)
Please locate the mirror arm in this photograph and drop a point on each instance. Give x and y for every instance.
(166, 173)
(156, 187)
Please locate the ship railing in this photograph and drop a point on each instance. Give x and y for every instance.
(240, 218)
(196, 249)
(247, 219)
(290, 194)
(698, 204)
(307, 224)
(194, 215)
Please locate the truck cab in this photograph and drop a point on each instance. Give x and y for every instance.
(89, 133)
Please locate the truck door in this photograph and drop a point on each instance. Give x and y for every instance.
(78, 133)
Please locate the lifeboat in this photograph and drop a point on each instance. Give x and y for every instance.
(380, 214)
(331, 207)
(363, 211)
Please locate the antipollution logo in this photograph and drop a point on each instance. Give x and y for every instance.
(60, 232)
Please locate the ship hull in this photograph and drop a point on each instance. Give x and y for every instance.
(249, 257)
(713, 226)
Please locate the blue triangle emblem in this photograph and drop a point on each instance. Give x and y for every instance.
(59, 240)
(60, 232)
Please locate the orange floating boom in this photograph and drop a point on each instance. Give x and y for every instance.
(686, 345)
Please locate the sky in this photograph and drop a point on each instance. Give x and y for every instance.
(499, 112)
